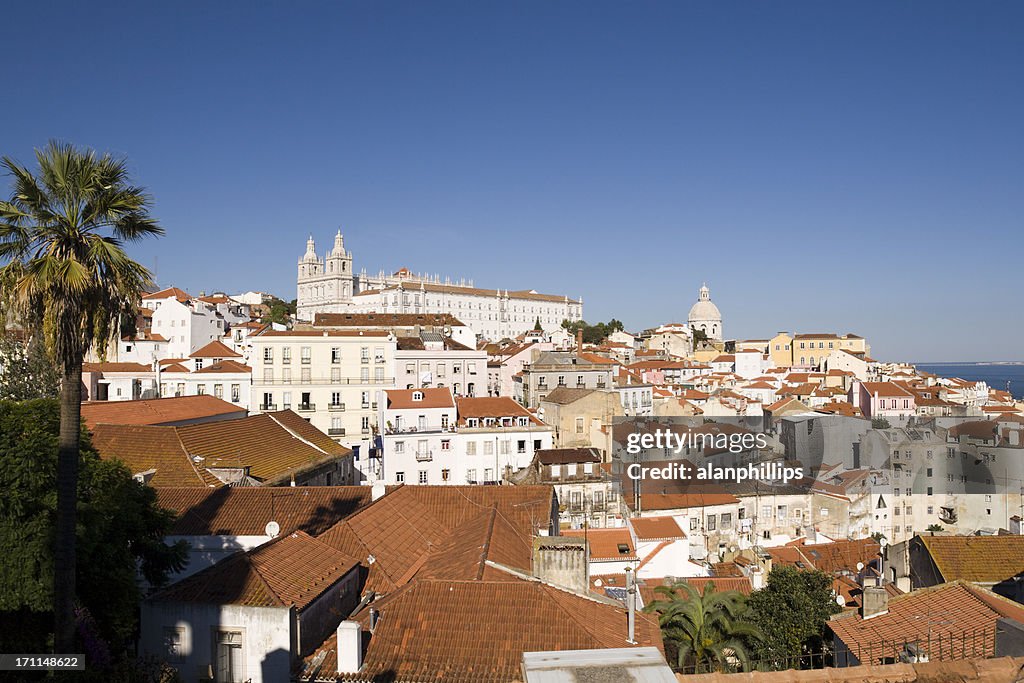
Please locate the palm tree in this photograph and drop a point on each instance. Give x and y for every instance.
(707, 629)
(61, 237)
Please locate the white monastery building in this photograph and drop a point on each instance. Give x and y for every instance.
(329, 285)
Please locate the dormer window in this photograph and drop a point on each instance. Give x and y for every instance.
(472, 422)
(417, 395)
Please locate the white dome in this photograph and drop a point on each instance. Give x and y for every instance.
(704, 311)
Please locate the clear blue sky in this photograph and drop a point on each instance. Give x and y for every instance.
(823, 166)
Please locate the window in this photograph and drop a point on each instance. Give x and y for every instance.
(488, 474)
(579, 425)
(446, 475)
(236, 391)
(335, 355)
(286, 375)
(781, 513)
(693, 523)
(726, 520)
(410, 368)
(471, 448)
(364, 375)
(446, 444)
(440, 369)
(229, 656)
(711, 523)
(471, 475)
(423, 477)
(268, 354)
(199, 363)
(400, 477)
(305, 376)
(364, 354)
(268, 375)
(201, 389)
(521, 446)
(399, 447)
(335, 375)
(218, 390)
(174, 642)
(471, 368)
(286, 355)
(823, 512)
(378, 375)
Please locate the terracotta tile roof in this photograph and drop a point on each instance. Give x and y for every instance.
(885, 389)
(843, 408)
(157, 411)
(145, 448)
(840, 555)
(597, 359)
(853, 593)
(565, 395)
(740, 584)
(950, 615)
(477, 631)
(179, 294)
(492, 406)
(786, 402)
(215, 349)
(272, 445)
(607, 544)
(561, 456)
(245, 511)
(487, 537)
(400, 530)
(433, 397)
(225, 367)
(270, 332)
(174, 368)
(384, 320)
(1000, 670)
(981, 559)
(656, 528)
(979, 429)
(116, 367)
(293, 569)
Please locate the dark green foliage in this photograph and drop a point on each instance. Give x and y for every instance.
(791, 611)
(119, 527)
(707, 631)
(593, 334)
(880, 423)
(699, 336)
(279, 311)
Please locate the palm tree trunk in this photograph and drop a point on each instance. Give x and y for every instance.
(67, 502)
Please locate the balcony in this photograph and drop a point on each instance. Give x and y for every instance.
(365, 430)
(336, 431)
(365, 405)
(424, 456)
(378, 359)
(373, 406)
(307, 407)
(268, 406)
(336, 407)
(305, 361)
(364, 359)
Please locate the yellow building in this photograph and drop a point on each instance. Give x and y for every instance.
(810, 350)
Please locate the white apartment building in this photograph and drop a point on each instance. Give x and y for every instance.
(333, 378)
(429, 437)
(431, 360)
(188, 323)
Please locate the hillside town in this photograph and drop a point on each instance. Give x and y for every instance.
(410, 478)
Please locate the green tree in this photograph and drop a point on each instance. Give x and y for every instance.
(120, 528)
(537, 326)
(699, 337)
(26, 369)
(707, 631)
(614, 325)
(279, 311)
(880, 423)
(935, 527)
(791, 611)
(61, 239)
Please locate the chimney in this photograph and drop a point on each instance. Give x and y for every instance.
(377, 490)
(562, 561)
(630, 606)
(757, 578)
(350, 647)
(874, 601)
(579, 340)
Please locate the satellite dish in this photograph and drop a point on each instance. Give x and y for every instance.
(840, 600)
(272, 529)
(860, 566)
(598, 582)
(447, 331)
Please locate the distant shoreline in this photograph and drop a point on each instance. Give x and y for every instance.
(980, 362)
